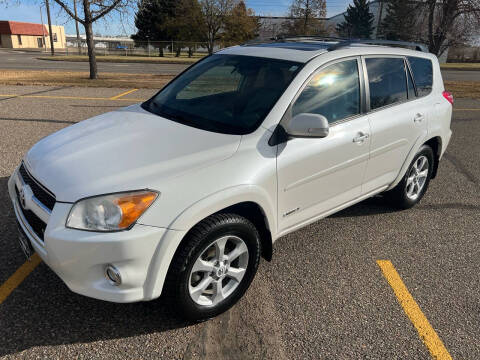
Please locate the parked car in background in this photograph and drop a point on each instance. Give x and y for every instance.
(183, 194)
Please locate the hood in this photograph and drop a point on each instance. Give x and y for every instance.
(123, 150)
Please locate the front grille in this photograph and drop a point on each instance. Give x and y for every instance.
(37, 225)
(43, 195)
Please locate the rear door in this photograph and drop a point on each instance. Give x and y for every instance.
(397, 118)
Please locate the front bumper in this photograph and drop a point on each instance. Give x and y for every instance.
(79, 257)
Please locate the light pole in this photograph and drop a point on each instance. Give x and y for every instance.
(43, 30)
(76, 27)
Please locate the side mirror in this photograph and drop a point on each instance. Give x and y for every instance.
(308, 125)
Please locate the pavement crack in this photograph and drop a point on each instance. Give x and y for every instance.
(39, 120)
(461, 168)
(457, 206)
(37, 92)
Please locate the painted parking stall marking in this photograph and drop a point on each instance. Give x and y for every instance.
(123, 94)
(17, 278)
(426, 332)
(115, 98)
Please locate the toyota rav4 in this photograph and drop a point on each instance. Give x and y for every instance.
(181, 195)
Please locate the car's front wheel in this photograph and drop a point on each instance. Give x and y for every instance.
(213, 266)
(414, 184)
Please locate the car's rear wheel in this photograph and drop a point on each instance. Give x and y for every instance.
(213, 266)
(414, 184)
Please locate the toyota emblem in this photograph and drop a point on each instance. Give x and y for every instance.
(22, 198)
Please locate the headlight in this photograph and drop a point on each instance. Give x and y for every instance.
(110, 212)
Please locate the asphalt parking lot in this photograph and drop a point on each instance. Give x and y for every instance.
(323, 296)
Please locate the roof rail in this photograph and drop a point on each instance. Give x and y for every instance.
(307, 37)
(416, 46)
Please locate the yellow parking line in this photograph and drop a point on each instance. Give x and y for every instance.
(17, 278)
(70, 97)
(123, 94)
(425, 330)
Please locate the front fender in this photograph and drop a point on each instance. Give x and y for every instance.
(223, 199)
(194, 214)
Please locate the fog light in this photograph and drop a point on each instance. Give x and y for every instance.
(113, 275)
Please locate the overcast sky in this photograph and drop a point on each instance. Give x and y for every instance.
(29, 11)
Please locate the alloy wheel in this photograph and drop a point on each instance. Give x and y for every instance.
(218, 271)
(417, 177)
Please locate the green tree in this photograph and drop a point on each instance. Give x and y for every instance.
(358, 21)
(306, 15)
(150, 20)
(240, 26)
(186, 25)
(399, 21)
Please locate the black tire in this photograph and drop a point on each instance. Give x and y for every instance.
(398, 197)
(176, 289)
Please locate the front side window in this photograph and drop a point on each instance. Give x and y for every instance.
(386, 80)
(333, 92)
(230, 94)
(422, 73)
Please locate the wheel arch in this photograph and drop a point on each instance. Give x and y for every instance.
(436, 144)
(249, 201)
(254, 212)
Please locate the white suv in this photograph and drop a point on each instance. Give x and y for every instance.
(182, 194)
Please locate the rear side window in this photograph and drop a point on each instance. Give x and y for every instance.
(422, 74)
(333, 92)
(387, 81)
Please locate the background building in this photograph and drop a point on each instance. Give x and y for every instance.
(22, 35)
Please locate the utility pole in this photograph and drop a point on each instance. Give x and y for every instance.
(50, 27)
(43, 30)
(76, 27)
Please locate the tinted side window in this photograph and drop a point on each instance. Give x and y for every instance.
(387, 81)
(333, 92)
(422, 73)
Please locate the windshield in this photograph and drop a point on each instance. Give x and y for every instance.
(229, 94)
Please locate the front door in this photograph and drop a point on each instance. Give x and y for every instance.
(316, 175)
(40, 42)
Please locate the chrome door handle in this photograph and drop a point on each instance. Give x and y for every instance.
(360, 138)
(418, 117)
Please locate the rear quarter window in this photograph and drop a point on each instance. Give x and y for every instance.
(422, 74)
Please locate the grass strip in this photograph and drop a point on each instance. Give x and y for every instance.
(124, 59)
(77, 78)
